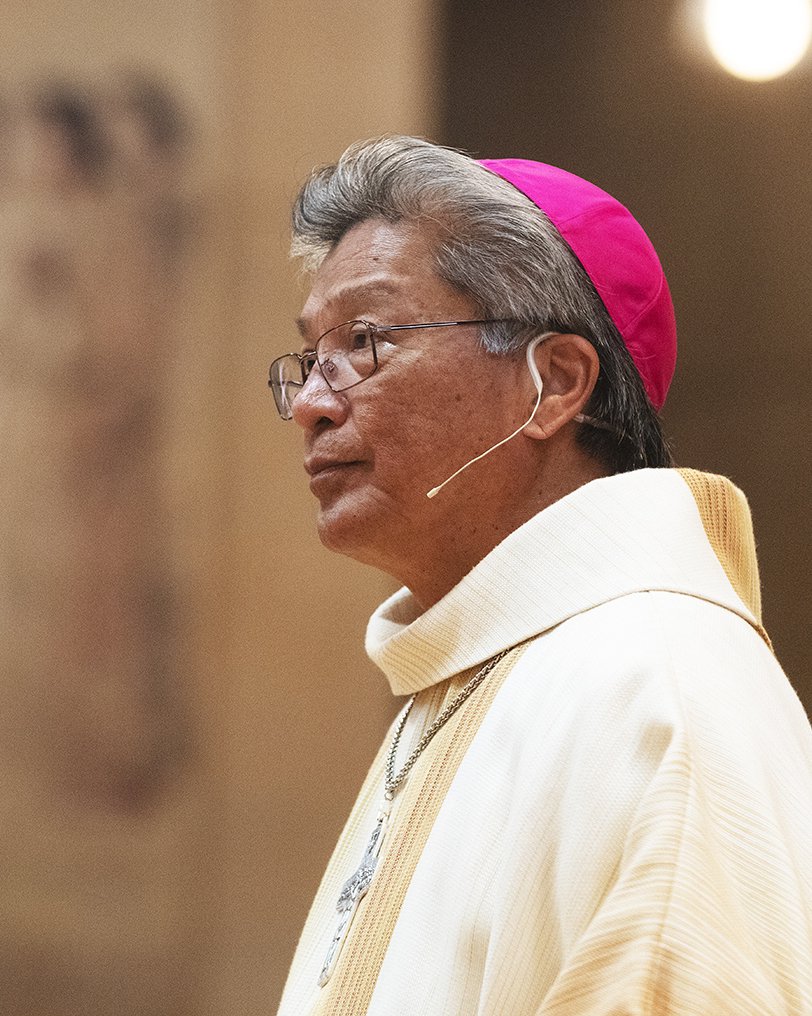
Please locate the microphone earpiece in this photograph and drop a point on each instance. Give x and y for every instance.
(534, 373)
(531, 363)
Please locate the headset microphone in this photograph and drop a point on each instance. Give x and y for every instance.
(534, 373)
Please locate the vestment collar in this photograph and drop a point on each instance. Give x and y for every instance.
(633, 532)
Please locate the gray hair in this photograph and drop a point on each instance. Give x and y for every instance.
(498, 247)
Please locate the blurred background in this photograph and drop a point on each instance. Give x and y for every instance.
(185, 708)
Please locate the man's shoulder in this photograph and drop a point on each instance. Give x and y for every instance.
(680, 655)
(616, 688)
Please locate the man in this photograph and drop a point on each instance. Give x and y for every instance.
(598, 800)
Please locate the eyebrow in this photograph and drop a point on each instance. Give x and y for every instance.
(366, 289)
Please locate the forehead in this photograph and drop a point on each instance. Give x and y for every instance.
(377, 267)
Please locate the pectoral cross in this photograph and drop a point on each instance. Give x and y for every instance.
(353, 891)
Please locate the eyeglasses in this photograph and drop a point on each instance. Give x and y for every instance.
(346, 355)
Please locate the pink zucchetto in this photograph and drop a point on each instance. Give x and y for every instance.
(617, 256)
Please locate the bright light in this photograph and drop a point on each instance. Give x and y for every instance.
(758, 39)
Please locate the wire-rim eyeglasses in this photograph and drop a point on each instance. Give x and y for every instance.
(346, 355)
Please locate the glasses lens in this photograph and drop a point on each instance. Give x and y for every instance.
(346, 355)
(286, 383)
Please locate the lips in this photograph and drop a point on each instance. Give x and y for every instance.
(316, 464)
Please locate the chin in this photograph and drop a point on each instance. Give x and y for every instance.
(344, 531)
(356, 532)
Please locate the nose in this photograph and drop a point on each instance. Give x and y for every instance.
(317, 403)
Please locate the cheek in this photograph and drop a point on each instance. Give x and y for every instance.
(426, 418)
(399, 414)
(404, 437)
(419, 441)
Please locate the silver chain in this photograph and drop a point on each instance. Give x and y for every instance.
(391, 781)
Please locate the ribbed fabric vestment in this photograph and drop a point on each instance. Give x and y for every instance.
(622, 824)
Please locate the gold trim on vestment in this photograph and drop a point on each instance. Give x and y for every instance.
(349, 991)
(725, 516)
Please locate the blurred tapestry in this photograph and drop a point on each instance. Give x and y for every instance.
(96, 737)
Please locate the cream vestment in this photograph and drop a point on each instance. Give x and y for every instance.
(619, 820)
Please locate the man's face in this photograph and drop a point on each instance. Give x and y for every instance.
(436, 400)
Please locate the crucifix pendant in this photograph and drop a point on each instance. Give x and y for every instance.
(354, 890)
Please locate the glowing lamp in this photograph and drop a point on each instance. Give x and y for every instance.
(758, 39)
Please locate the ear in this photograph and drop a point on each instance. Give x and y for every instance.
(569, 367)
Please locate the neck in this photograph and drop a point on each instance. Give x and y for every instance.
(472, 526)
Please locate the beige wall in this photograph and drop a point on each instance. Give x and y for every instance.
(194, 904)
